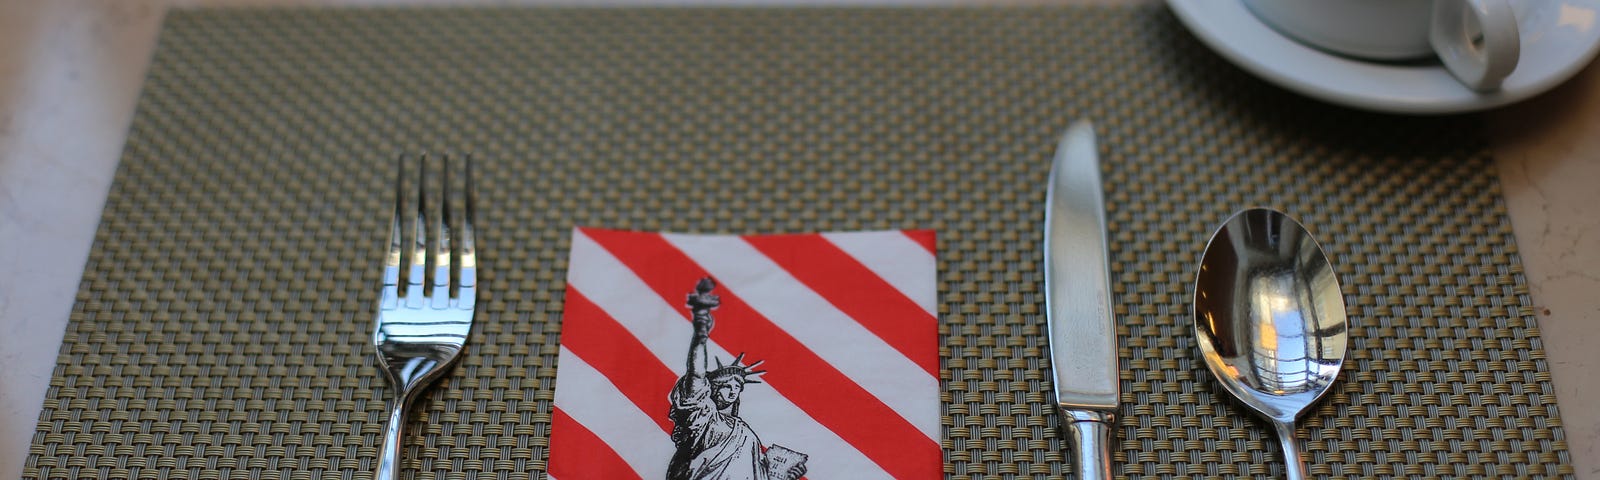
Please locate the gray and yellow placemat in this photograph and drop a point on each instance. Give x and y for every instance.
(222, 326)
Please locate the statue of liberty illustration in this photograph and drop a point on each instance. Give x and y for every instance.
(713, 443)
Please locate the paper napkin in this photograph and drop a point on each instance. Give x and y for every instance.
(748, 357)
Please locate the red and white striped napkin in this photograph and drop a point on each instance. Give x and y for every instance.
(831, 338)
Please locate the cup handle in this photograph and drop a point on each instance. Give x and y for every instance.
(1477, 40)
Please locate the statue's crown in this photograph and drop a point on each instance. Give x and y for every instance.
(737, 370)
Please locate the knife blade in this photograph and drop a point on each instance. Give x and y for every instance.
(1077, 280)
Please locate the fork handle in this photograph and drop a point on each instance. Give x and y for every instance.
(389, 457)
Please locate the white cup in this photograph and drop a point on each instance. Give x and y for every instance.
(1476, 40)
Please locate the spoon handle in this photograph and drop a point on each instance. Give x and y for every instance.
(1293, 467)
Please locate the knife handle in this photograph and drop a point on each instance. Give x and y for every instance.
(1089, 437)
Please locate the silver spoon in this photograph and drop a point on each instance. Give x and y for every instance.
(1270, 319)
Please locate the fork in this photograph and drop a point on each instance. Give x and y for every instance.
(423, 323)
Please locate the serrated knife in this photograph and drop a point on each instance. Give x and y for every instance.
(1077, 297)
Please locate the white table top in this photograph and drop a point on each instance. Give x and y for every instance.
(71, 71)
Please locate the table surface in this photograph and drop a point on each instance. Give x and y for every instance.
(70, 73)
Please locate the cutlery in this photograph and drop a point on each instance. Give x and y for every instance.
(1077, 297)
(1270, 319)
(423, 323)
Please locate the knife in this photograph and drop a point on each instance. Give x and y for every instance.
(1077, 298)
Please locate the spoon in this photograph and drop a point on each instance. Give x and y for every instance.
(1270, 319)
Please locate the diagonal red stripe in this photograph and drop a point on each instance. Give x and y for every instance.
(818, 388)
(612, 350)
(576, 453)
(858, 292)
(926, 238)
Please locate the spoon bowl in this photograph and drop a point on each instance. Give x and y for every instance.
(1270, 319)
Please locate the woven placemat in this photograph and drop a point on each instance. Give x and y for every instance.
(222, 326)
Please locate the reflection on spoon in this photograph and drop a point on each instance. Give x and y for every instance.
(1270, 319)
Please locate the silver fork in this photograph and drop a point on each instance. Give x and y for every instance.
(423, 324)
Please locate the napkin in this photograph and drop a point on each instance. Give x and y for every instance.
(748, 357)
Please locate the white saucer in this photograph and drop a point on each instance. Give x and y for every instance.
(1559, 37)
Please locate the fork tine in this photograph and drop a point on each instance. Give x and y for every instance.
(417, 276)
(390, 296)
(467, 297)
(441, 248)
